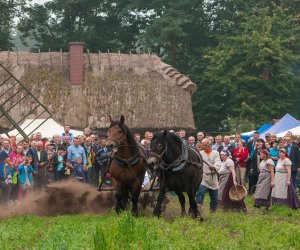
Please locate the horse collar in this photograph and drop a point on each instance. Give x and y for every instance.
(179, 164)
(127, 163)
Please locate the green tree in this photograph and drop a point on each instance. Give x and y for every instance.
(177, 29)
(243, 55)
(9, 9)
(100, 24)
(250, 75)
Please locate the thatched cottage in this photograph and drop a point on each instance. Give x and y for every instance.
(81, 89)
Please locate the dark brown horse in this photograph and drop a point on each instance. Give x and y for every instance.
(179, 168)
(127, 165)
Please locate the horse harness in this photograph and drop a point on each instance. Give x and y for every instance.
(180, 163)
(124, 163)
(128, 163)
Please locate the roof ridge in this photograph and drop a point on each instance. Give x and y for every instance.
(61, 59)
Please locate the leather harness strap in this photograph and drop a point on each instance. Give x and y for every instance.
(178, 164)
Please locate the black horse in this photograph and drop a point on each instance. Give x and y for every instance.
(179, 168)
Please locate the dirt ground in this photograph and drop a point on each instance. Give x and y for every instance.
(73, 197)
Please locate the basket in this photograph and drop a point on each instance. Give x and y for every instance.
(237, 193)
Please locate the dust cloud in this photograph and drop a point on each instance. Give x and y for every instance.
(69, 197)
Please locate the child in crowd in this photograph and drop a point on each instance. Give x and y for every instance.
(59, 162)
(25, 178)
(13, 143)
(78, 168)
(49, 169)
(67, 170)
(5, 177)
(17, 158)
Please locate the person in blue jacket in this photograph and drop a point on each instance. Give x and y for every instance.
(5, 177)
(25, 171)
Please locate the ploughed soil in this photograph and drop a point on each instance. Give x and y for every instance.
(74, 197)
(68, 197)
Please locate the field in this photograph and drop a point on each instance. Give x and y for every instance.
(279, 229)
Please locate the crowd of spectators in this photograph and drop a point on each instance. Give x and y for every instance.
(269, 167)
(33, 164)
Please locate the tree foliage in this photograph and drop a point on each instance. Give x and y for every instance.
(179, 29)
(250, 73)
(100, 24)
(243, 55)
(8, 11)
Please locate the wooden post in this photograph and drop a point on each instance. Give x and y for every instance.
(61, 61)
(40, 58)
(150, 61)
(109, 62)
(17, 56)
(130, 66)
(50, 57)
(88, 52)
(140, 61)
(28, 58)
(8, 55)
(99, 60)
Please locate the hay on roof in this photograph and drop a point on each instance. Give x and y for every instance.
(151, 94)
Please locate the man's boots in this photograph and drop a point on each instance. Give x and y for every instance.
(199, 207)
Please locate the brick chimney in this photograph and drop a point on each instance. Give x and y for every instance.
(76, 63)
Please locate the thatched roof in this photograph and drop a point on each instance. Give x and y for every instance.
(150, 93)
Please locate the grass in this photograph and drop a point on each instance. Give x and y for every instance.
(222, 230)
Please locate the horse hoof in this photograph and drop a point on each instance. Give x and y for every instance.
(200, 218)
(156, 213)
(193, 216)
(134, 213)
(119, 209)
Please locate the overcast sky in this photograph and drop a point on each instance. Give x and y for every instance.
(40, 1)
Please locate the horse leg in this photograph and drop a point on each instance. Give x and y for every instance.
(135, 198)
(182, 202)
(126, 191)
(160, 198)
(120, 200)
(193, 205)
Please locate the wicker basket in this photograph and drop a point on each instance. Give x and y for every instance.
(237, 193)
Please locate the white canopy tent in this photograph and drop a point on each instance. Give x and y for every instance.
(248, 133)
(48, 128)
(295, 131)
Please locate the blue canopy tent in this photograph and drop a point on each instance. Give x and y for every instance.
(285, 123)
(262, 129)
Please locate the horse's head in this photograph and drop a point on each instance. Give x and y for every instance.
(158, 147)
(116, 133)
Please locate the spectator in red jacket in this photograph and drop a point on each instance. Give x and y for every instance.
(240, 155)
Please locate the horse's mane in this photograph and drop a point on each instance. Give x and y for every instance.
(130, 139)
(176, 137)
